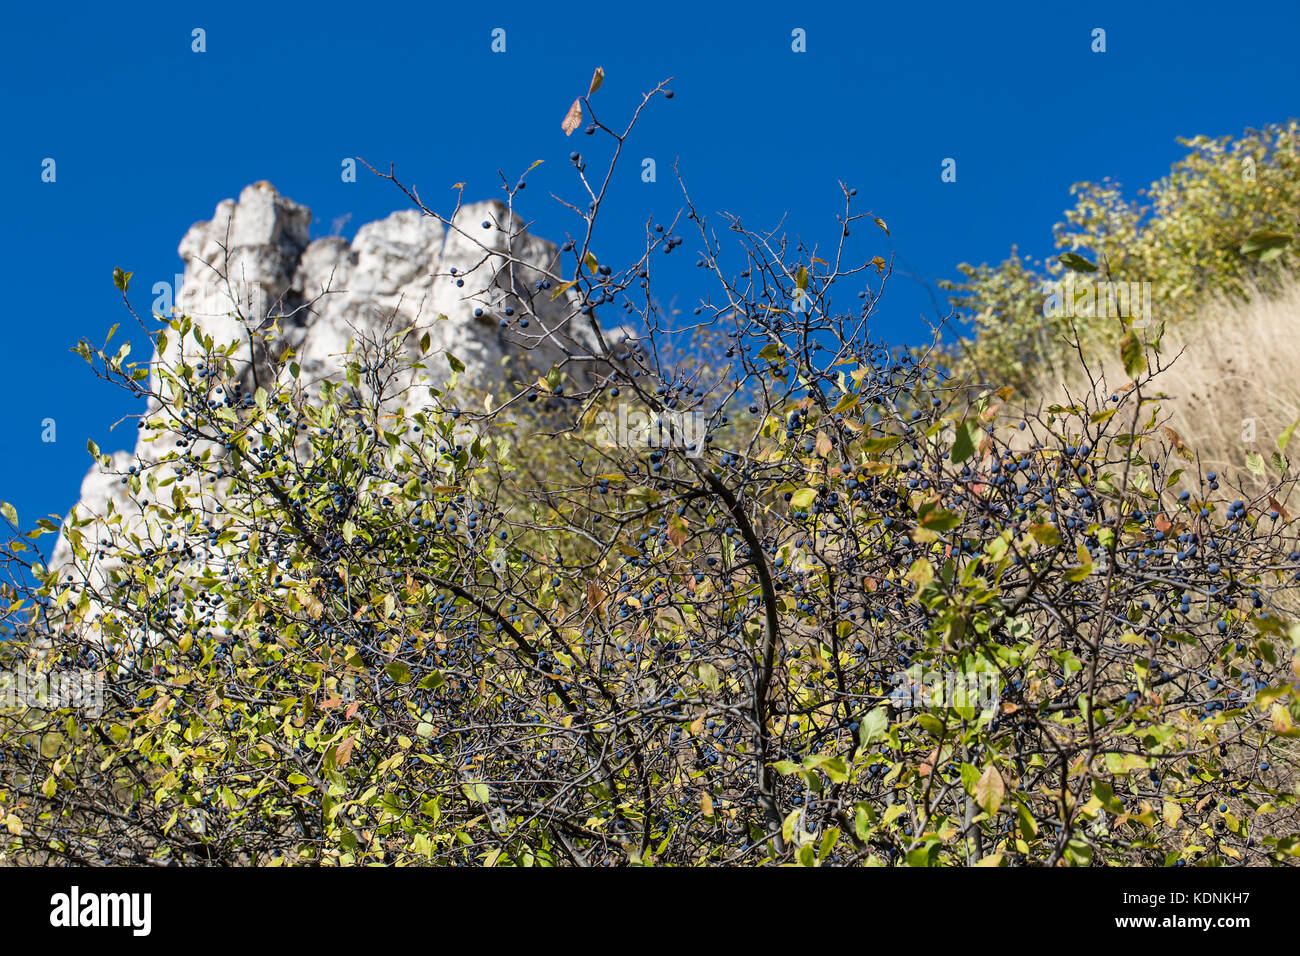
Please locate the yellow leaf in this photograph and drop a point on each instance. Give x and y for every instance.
(1172, 813)
(921, 573)
(989, 790)
(1282, 722)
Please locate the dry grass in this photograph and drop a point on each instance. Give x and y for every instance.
(1232, 376)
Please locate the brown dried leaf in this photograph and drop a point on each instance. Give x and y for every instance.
(1180, 446)
(926, 765)
(595, 596)
(573, 118)
(677, 530)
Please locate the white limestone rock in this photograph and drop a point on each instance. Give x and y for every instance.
(254, 262)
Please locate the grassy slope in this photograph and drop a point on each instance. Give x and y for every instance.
(1234, 364)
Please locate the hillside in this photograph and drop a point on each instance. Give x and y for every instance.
(1232, 377)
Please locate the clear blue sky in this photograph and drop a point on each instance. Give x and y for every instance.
(148, 137)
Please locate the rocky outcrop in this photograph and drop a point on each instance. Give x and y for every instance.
(253, 276)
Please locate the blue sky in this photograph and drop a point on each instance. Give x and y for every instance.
(149, 136)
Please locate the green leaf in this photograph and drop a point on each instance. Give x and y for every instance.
(432, 682)
(1045, 534)
(873, 726)
(10, 512)
(803, 498)
(456, 364)
(936, 519)
(921, 573)
(122, 279)
(829, 839)
(833, 767)
(921, 856)
(398, 671)
(861, 823)
(892, 813)
(1266, 244)
(1130, 350)
(709, 676)
(788, 824)
(1078, 263)
(963, 446)
(801, 279)
(1028, 825)
(1255, 462)
(1286, 435)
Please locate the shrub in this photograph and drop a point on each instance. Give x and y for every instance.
(861, 622)
(1218, 226)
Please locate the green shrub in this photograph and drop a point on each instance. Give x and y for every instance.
(864, 623)
(1184, 235)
